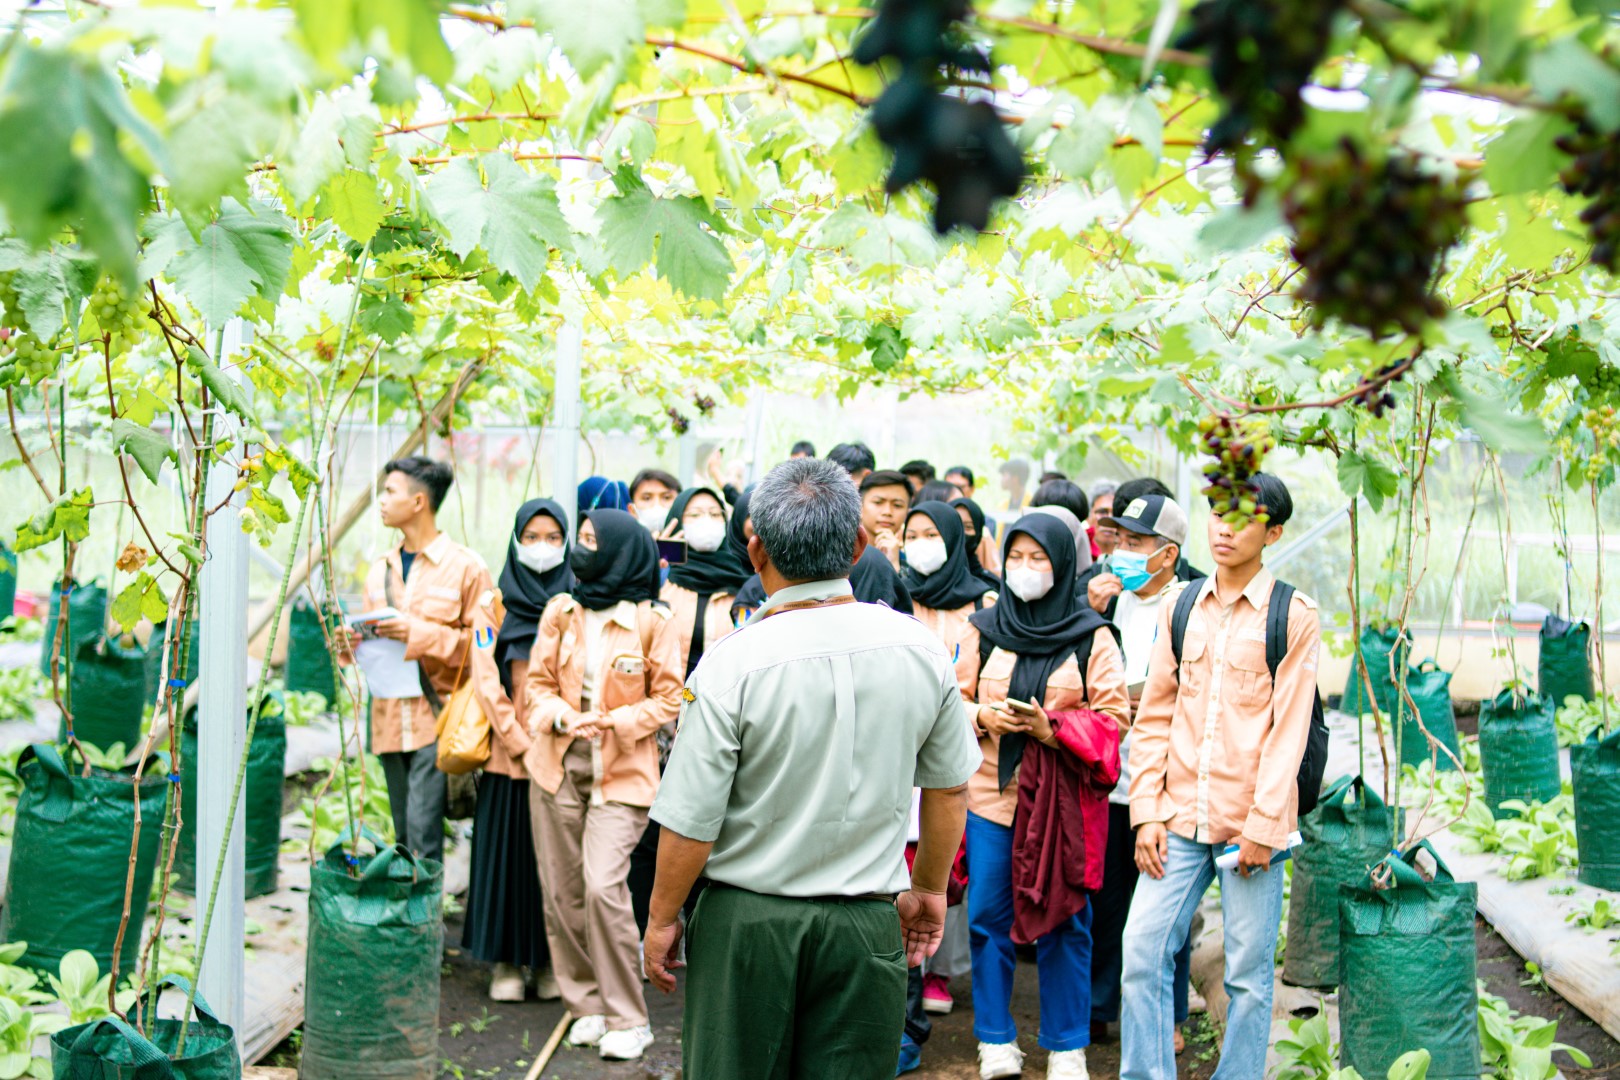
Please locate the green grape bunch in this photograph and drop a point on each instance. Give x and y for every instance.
(1262, 54)
(11, 300)
(117, 313)
(1370, 232)
(1594, 171)
(1604, 425)
(32, 359)
(1239, 447)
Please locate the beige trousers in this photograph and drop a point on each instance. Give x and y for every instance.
(584, 856)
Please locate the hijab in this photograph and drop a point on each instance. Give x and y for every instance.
(873, 580)
(525, 592)
(1082, 542)
(976, 515)
(624, 565)
(736, 538)
(953, 585)
(1041, 634)
(600, 493)
(707, 572)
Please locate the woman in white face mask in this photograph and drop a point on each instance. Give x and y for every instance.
(1049, 684)
(505, 922)
(700, 590)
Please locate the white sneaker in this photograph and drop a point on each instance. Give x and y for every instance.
(587, 1030)
(506, 984)
(545, 986)
(1000, 1059)
(1067, 1065)
(626, 1044)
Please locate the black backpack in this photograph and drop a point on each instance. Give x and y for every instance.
(1314, 764)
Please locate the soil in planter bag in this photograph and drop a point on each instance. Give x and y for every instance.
(1347, 834)
(371, 998)
(1407, 970)
(154, 657)
(1518, 750)
(69, 856)
(1566, 661)
(261, 801)
(114, 1048)
(109, 688)
(87, 620)
(1431, 691)
(309, 661)
(1596, 768)
(1377, 642)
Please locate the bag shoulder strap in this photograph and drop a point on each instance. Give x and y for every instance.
(1180, 616)
(1282, 598)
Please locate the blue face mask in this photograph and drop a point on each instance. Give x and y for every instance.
(1131, 568)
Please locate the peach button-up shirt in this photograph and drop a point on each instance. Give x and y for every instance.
(1215, 749)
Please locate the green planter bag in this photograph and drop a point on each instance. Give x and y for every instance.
(109, 687)
(113, 1049)
(8, 581)
(1377, 642)
(1566, 661)
(1596, 768)
(154, 657)
(1407, 971)
(87, 620)
(1348, 832)
(371, 982)
(261, 801)
(1431, 691)
(309, 661)
(1518, 749)
(69, 857)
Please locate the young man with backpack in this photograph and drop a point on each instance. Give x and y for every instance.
(1228, 711)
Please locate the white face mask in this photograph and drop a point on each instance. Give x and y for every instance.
(540, 556)
(1028, 585)
(925, 556)
(652, 516)
(704, 534)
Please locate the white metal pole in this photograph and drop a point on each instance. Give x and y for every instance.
(565, 421)
(222, 714)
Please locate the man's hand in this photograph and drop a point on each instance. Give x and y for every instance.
(660, 949)
(1152, 847)
(396, 629)
(888, 543)
(713, 466)
(1102, 589)
(1252, 857)
(922, 921)
(998, 722)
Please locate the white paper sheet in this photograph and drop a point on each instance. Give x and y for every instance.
(388, 674)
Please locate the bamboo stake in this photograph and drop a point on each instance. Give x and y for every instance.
(544, 1057)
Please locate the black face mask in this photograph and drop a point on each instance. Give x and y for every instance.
(582, 560)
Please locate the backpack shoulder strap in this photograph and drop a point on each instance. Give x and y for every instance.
(1282, 598)
(1179, 617)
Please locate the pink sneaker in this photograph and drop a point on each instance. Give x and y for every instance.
(937, 995)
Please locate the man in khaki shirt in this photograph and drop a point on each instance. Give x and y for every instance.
(1215, 752)
(436, 585)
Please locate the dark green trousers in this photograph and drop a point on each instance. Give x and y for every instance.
(783, 989)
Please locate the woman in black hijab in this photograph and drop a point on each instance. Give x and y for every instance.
(604, 676)
(1040, 646)
(700, 590)
(751, 596)
(973, 521)
(505, 922)
(936, 570)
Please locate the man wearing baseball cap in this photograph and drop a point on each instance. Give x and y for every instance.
(1130, 591)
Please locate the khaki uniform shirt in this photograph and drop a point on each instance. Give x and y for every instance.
(801, 737)
(640, 691)
(1215, 752)
(441, 601)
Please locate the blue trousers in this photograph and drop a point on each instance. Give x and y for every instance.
(1062, 958)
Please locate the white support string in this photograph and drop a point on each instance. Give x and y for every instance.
(376, 462)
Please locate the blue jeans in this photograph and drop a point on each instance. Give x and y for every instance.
(1161, 913)
(1062, 958)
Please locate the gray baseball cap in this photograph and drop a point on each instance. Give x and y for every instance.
(1152, 515)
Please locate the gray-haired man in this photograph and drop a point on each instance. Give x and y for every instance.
(801, 737)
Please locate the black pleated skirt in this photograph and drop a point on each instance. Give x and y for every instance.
(505, 923)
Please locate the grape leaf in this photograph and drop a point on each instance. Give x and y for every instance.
(352, 200)
(149, 449)
(690, 257)
(262, 501)
(141, 598)
(1523, 157)
(887, 345)
(300, 475)
(68, 516)
(45, 281)
(226, 390)
(514, 217)
(1491, 418)
(591, 41)
(1363, 475)
(245, 251)
(67, 133)
(411, 27)
(213, 146)
(386, 316)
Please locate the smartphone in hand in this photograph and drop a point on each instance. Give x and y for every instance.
(672, 550)
(1020, 708)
